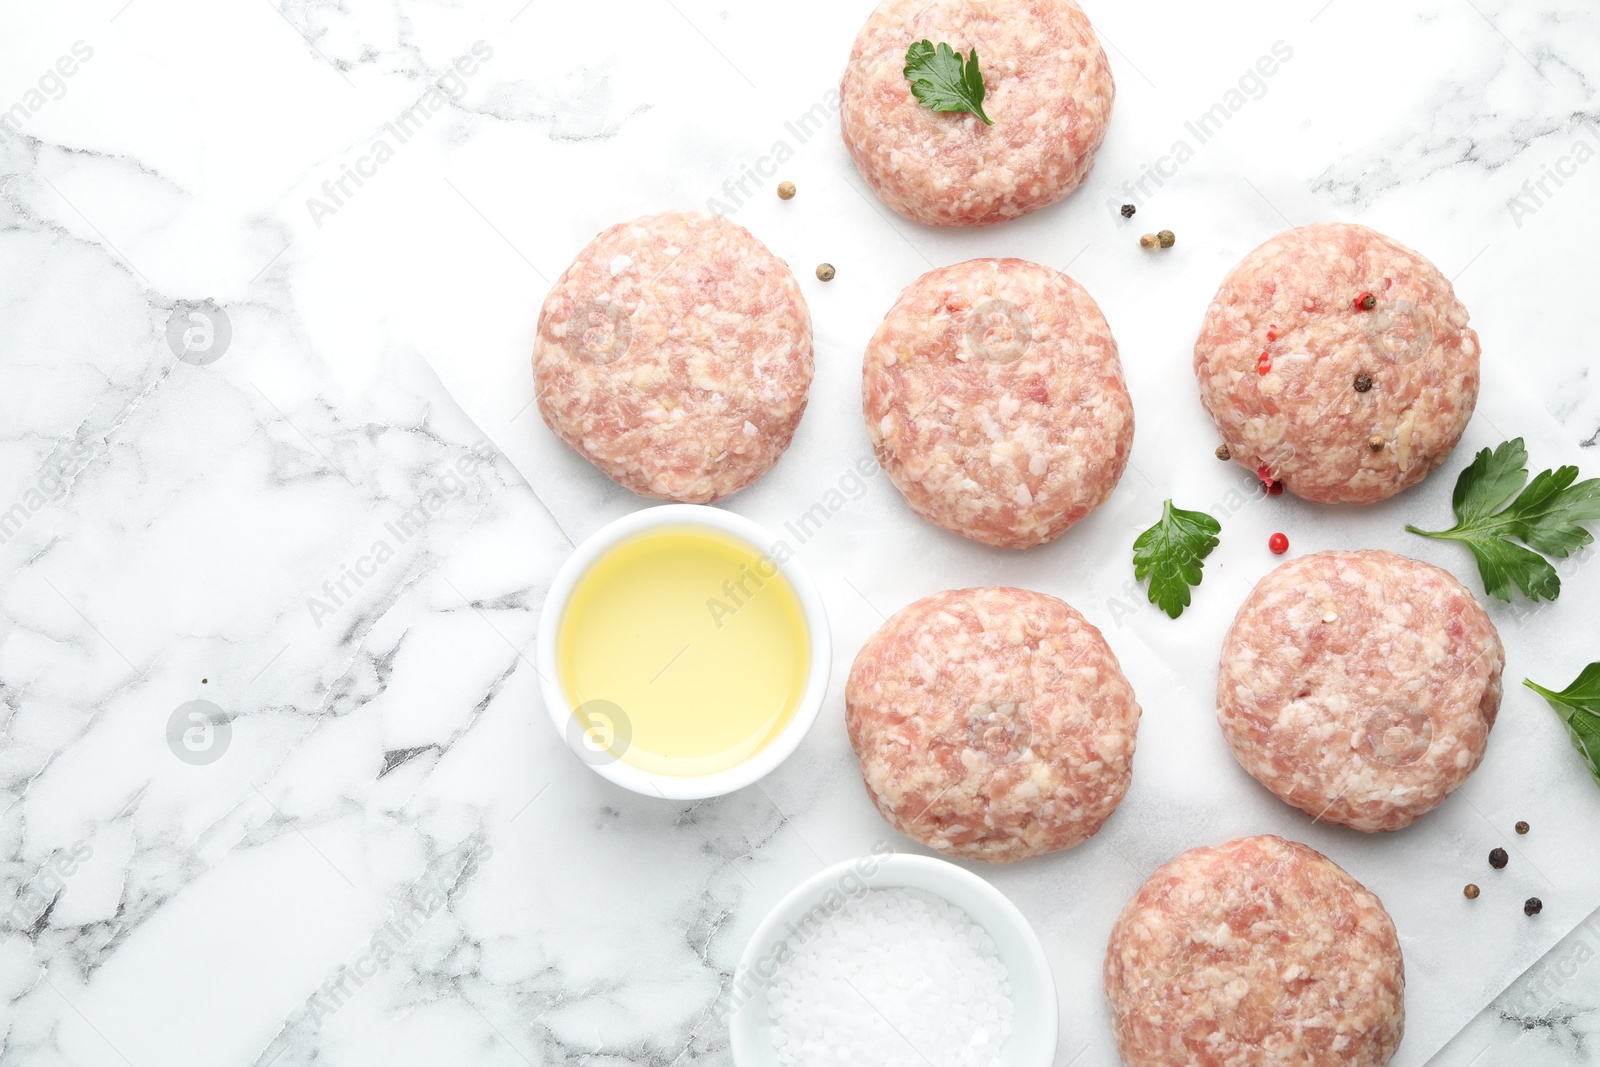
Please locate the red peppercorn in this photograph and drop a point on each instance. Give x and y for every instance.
(1264, 364)
(1278, 543)
(1264, 472)
(1272, 332)
(1275, 489)
(1366, 302)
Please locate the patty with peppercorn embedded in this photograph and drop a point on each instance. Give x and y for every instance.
(995, 401)
(1360, 687)
(1337, 362)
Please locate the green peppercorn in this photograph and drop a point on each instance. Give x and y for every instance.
(1471, 891)
(1523, 827)
(1167, 238)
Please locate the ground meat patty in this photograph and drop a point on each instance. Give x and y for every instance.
(675, 355)
(1292, 309)
(1257, 953)
(995, 401)
(992, 724)
(1048, 91)
(1360, 686)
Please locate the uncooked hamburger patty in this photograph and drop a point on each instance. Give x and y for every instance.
(1304, 421)
(1257, 953)
(995, 401)
(1360, 686)
(675, 355)
(992, 724)
(1048, 91)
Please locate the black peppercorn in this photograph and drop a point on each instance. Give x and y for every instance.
(1533, 906)
(1471, 891)
(1363, 382)
(1522, 827)
(1498, 859)
(1128, 210)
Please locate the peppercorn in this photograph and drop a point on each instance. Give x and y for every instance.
(1375, 442)
(1264, 473)
(1278, 543)
(1274, 489)
(1532, 906)
(1264, 364)
(1471, 891)
(1223, 453)
(1523, 827)
(1167, 238)
(825, 272)
(1148, 241)
(1363, 382)
(1498, 859)
(786, 190)
(1366, 302)
(1128, 210)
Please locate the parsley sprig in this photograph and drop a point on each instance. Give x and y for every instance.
(1545, 517)
(942, 82)
(1171, 555)
(1579, 707)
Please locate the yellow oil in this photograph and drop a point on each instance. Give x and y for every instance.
(698, 639)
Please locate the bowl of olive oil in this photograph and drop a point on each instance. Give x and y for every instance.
(683, 652)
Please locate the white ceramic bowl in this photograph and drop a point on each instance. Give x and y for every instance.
(1033, 990)
(674, 787)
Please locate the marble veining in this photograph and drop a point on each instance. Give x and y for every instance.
(370, 849)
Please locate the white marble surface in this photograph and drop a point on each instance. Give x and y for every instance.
(385, 751)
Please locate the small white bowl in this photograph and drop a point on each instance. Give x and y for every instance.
(775, 751)
(1033, 990)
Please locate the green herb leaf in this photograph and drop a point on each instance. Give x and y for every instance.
(1579, 707)
(1545, 516)
(942, 82)
(1171, 555)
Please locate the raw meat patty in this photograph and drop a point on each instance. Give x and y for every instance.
(1257, 953)
(1360, 686)
(1047, 88)
(1304, 422)
(675, 355)
(994, 398)
(992, 724)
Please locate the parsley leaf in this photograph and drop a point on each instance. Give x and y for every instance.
(1171, 552)
(1545, 516)
(942, 82)
(1579, 707)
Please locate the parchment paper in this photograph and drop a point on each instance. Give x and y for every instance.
(870, 555)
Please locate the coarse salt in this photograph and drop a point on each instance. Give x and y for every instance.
(893, 978)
